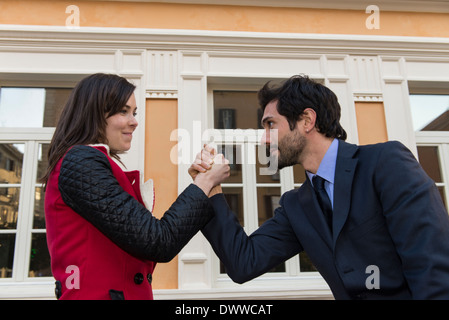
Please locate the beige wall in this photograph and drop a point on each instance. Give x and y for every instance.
(217, 17)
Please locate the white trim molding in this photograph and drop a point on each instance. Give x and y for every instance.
(38, 38)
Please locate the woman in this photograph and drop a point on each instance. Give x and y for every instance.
(103, 241)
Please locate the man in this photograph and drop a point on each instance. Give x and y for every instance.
(383, 212)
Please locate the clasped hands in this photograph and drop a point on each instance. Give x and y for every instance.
(209, 170)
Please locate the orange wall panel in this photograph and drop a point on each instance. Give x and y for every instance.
(161, 119)
(371, 123)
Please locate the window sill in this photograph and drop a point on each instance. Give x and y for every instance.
(45, 291)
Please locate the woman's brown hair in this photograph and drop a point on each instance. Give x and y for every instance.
(83, 118)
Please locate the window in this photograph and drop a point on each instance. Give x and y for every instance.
(253, 190)
(430, 115)
(28, 117)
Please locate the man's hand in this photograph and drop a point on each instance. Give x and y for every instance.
(203, 161)
(209, 170)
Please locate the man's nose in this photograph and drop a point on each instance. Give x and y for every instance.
(265, 138)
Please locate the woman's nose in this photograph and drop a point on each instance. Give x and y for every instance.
(133, 121)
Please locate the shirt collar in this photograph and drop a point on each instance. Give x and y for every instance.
(326, 170)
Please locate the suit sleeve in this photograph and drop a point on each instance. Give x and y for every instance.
(88, 186)
(246, 257)
(417, 221)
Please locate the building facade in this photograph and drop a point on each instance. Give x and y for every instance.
(197, 66)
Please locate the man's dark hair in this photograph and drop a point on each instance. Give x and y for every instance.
(299, 92)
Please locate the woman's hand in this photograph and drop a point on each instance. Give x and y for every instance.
(209, 170)
(203, 161)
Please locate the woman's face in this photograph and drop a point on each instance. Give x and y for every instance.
(120, 127)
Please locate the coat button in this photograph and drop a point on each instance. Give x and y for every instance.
(150, 278)
(138, 278)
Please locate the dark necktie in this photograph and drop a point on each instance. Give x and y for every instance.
(323, 199)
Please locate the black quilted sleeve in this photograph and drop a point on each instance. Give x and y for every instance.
(88, 186)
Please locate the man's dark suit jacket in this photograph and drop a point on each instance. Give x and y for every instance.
(387, 213)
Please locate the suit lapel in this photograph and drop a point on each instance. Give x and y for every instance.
(308, 202)
(344, 175)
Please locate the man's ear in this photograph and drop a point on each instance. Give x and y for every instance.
(309, 117)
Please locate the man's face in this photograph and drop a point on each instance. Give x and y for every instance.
(289, 145)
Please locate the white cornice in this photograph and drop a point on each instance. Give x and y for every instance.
(385, 5)
(168, 39)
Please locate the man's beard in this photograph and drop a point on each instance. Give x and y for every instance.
(290, 149)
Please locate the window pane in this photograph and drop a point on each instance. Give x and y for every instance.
(7, 242)
(234, 154)
(39, 213)
(40, 258)
(430, 112)
(429, 160)
(305, 265)
(236, 110)
(267, 201)
(11, 159)
(265, 173)
(9, 207)
(299, 174)
(31, 107)
(42, 163)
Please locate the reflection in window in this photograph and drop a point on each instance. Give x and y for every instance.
(236, 110)
(233, 153)
(39, 257)
(430, 112)
(429, 159)
(31, 107)
(7, 243)
(11, 161)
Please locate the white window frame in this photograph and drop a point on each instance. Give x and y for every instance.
(201, 70)
(31, 138)
(249, 185)
(439, 139)
(442, 143)
(56, 70)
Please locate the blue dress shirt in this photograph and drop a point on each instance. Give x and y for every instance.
(326, 170)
